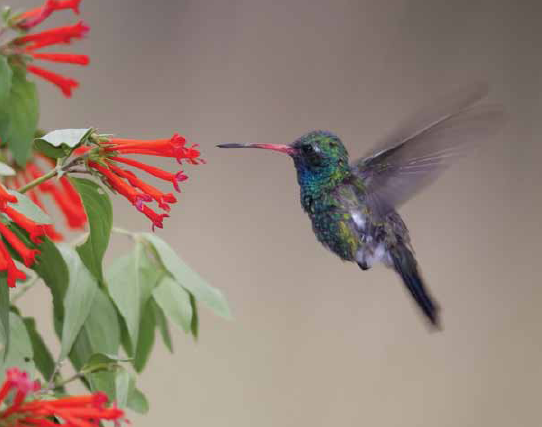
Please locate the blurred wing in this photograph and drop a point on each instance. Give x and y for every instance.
(420, 150)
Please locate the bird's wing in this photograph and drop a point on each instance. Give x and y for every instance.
(424, 146)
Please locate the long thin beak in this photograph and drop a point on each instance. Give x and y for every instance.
(286, 149)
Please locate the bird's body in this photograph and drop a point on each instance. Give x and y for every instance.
(341, 218)
(352, 206)
(345, 221)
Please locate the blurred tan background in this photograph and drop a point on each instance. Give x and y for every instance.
(316, 342)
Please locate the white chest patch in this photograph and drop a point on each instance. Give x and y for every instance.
(373, 255)
(359, 220)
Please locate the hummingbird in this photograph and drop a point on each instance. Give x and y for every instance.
(353, 205)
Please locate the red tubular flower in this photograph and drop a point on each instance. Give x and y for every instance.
(5, 197)
(157, 219)
(66, 58)
(174, 178)
(116, 182)
(52, 233)
(174, 147)
(65, 197)
(56, 35)
(28, 255)
(33, 17)
(50, 230)
(74, 411)
(161, 198)
(29, 43)
(65, 84)
(7, 264)
(128, 184)
(34, 229)
(70, 191)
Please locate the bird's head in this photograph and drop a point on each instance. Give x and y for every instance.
(316, 154)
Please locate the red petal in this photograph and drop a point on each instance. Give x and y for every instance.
(65, 84)
(68, 58)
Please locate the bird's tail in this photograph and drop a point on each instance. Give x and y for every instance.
(405, 264)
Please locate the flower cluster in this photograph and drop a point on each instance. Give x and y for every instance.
(74, 411)
(34, 230)
(63, 194)
(109, 158)
(28, 44)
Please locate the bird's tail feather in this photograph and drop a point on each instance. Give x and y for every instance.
(405, 264)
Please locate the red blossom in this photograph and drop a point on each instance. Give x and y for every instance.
(67, 58)
(161, 198)
(71, 192)
(50, 230)
(156, 218)
(64, 196)
(52, 233)
(7, 264)
(33, 17)
(174, 178)
(30, 42)
(34, 229)
(116, 182)
(174, 147)
(65, 84)
(58, 35)
(5, 197)
(28, 255)
(73, 411)
(131, 186)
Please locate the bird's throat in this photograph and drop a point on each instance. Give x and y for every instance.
(320, 184)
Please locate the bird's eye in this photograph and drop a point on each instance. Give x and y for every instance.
(307, 148)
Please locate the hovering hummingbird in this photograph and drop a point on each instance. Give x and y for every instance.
(352, 206)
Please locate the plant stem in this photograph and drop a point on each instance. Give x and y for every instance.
(62, 383)
(78, 375)
(38, 181)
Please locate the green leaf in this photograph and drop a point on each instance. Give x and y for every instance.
(100, 217)
(5, 79)
(117, 384)
(19, 116)
(103, 381)
(125, 340)
(78, 301)
(174, 300)
(106, 361)
(4, 314)
(42, 356)
(163, 326)
(60, 143)
(20, 352)
(122, 282)
(28, 208)
(145, 343)
(67, 137)
(99, 334)
(188, 278)
(6, 170)
(130, 280)
(52, 268)
(138, 402)
(122, 387)
(101, 362)
(50, 151)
